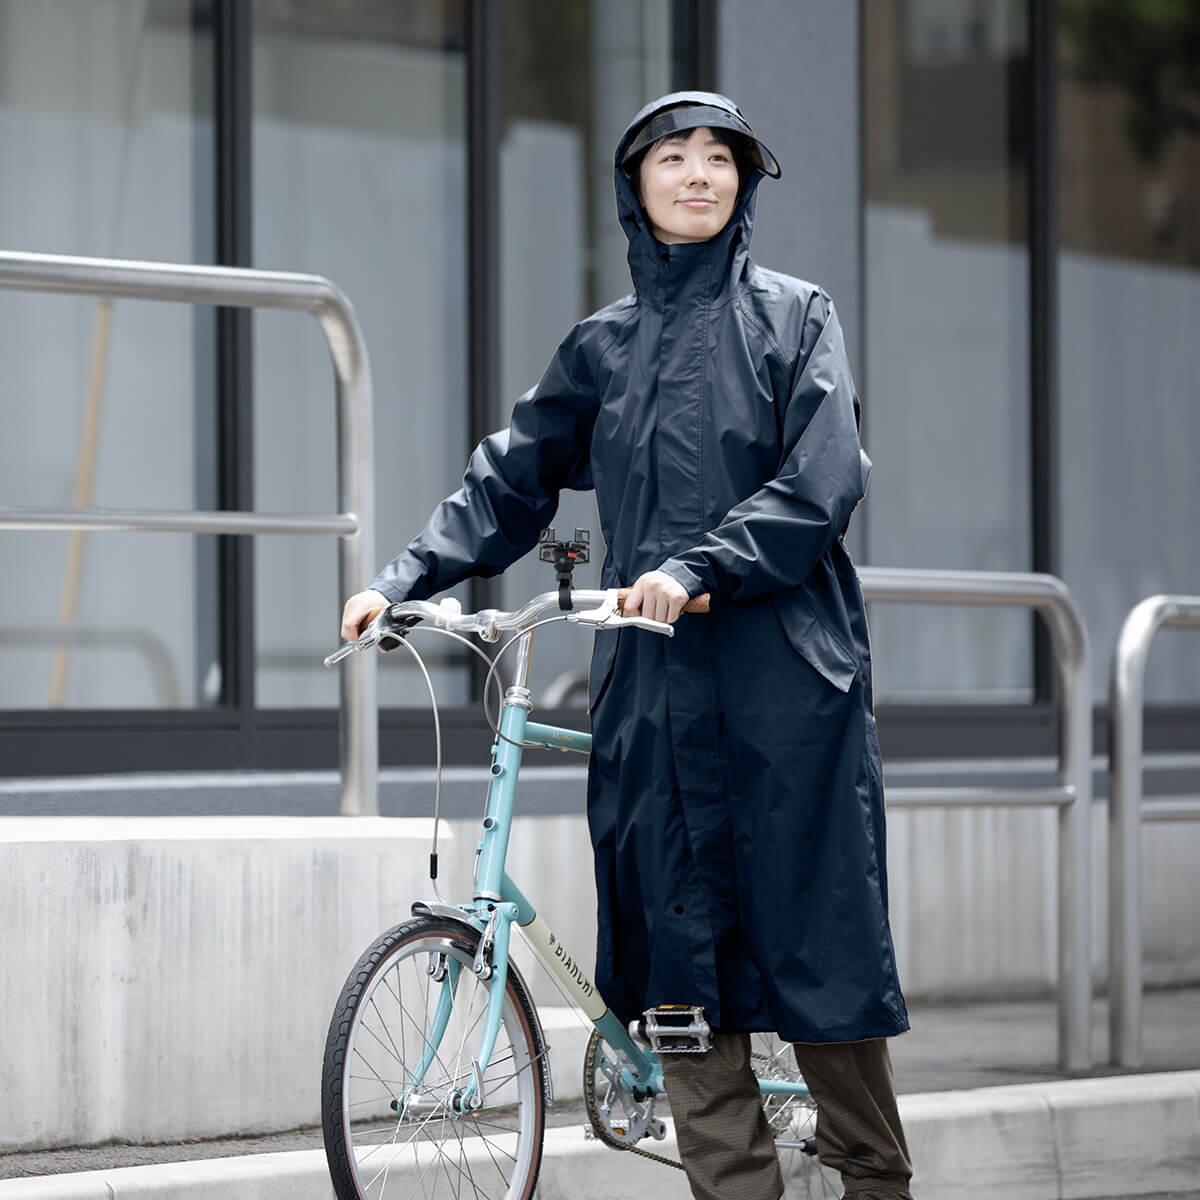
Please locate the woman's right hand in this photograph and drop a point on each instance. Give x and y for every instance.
(361, 609)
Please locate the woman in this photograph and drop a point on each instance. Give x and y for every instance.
(735, 799)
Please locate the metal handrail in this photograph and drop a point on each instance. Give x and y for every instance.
(1072, 797)
(133, 520)
(354, 525)
(1126, 812)
(153, 650)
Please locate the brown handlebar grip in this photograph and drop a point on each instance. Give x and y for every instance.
(697, 604)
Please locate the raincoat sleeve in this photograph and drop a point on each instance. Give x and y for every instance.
(510, 489)
(774, 538)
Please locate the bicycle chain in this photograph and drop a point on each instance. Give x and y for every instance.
(599, 1128)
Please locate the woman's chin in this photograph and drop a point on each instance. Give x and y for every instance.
(694, 227)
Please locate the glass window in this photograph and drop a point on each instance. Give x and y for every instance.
(573, 77)
(105, 135)
(359, 163)
(946, 386)
(1129, 287)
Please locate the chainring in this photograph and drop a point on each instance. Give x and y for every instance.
(620, 1119)
(603, 1091)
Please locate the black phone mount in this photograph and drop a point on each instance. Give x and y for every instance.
(565, 556)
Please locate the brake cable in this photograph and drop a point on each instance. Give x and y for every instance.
(491, 677)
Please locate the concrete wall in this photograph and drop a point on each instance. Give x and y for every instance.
(172, 977)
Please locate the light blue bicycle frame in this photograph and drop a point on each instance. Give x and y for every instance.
(498, 902)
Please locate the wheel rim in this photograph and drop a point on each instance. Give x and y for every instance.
(428, 1149)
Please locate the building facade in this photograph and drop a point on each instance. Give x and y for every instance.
(1006, 215)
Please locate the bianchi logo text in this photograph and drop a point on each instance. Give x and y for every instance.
(581, 981)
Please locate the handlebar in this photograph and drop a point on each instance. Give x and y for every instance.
(606, 612)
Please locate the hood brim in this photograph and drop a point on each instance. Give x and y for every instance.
(693, 110)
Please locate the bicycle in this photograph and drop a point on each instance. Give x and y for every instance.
(436, 1073)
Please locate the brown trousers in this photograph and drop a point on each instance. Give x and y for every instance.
(728, 1149)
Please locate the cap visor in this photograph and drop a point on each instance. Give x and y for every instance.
(696, 116)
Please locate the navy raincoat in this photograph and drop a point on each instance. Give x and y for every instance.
(735, 797)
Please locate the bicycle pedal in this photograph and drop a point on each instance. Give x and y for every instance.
(674, 1029)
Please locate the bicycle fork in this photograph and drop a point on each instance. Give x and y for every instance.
(443, 970)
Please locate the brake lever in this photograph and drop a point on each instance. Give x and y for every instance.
(608, 615)
(643, 623)
(376, 634)
(365, 642)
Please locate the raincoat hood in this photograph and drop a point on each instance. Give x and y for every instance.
(689, 270)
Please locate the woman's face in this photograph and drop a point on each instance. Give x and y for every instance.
(688, 184)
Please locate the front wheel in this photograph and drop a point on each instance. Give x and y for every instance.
(398, 1063)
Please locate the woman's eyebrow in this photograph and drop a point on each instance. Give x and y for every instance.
(679, 139)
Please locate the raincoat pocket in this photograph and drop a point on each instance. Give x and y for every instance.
(604, 655)
(821, 649)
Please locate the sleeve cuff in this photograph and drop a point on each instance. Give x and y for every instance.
(692, 583)
(402, 579)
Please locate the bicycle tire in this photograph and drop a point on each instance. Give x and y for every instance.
(793, 1120)
(377, 1037)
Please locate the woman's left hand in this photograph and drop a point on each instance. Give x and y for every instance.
(656, 595)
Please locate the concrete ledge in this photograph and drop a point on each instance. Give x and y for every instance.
(403, 792)
(1134, 1135)
(172, 977)
(1090, 1139)
(301, 1175)
(408, 791)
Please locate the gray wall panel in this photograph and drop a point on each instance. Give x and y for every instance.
(793, 69)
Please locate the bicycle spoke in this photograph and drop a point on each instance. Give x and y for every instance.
(370, 1068)
(458, 1073)
(383, 1170)
(388, 1165)
(464, 1163)
(379, 1040)
(792, 1118)
(391, 1041)
(489, 1146)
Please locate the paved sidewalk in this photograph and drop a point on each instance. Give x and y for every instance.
(1115, 1138)
(999, 1042)
(961, 1045)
